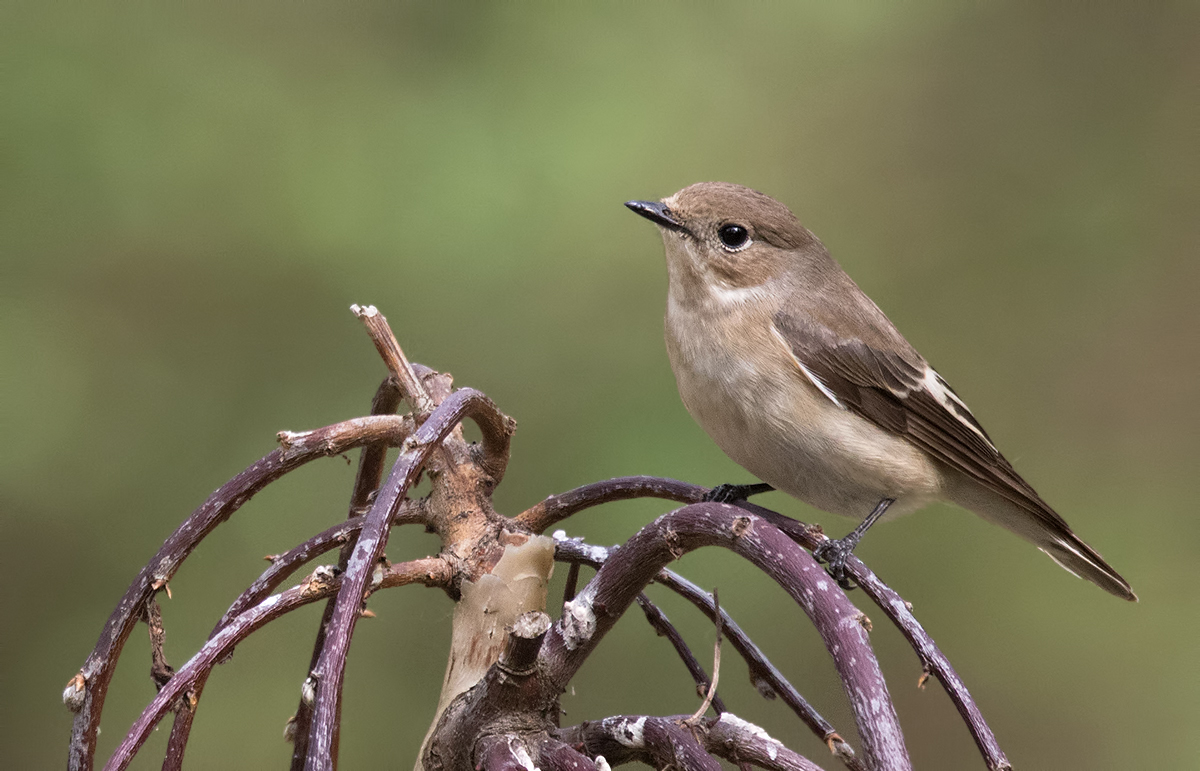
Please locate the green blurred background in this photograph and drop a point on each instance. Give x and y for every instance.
(191, 196)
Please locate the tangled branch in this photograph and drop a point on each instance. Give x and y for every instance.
(506, 716)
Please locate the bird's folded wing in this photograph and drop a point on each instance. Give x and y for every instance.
(892, 386)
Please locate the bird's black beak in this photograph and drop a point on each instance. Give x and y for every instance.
(656, 212)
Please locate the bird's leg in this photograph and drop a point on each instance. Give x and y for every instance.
(835, 551)
(733, 493)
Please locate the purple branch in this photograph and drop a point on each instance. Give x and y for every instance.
(544, 515)
(657, 741)
(894, 606)
(297, 450)
(554, 755)
(558, 507)
(283, 565)
(664, 628)
(726, 736)
(767, 679)
(502, 753)
(739, 741)
(330, 669)
(432, 571)
(589, 617)
(366, 482)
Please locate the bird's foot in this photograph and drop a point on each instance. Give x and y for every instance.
(735, 493)
(835, 552)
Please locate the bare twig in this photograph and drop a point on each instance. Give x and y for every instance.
(297, 450)
(330, 668)
(657, 741)
(554, 755)
(431, 571)
(366, 483)
(397, 363)
(283, 565)
(726, 736)
(899, 611)
(587, 618)
(767, 678)
(665, 628)
(549, 512)
(739, 741)
(716, 677)
(558, 507)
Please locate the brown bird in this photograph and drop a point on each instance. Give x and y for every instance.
(805, 383)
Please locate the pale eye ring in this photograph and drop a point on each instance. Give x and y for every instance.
(733, 236)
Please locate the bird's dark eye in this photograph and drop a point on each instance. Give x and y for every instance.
(733, 236)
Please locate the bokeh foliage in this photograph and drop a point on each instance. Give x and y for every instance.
(191, 196)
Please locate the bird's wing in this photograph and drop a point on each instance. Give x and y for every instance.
(892, 386)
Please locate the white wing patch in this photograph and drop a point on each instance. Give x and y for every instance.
(935, 385)
(816, 381)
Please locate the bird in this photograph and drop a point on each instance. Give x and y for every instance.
(804, 382)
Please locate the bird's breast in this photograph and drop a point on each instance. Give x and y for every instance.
(746, 392)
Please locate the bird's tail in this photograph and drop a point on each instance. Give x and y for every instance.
(1045, 530)
(1075, 556)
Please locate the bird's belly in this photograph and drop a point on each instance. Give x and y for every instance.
(785, 432)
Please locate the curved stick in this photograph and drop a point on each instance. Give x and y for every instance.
(899, 611)
(543, 515)
(589, 616)
(330, 668)
(740, 741)
(283, 565)
(726, 736)
(431, 571)
(656, 741)
(558, 507)
(765, 676)
(297, 450)
(366, 482)
(664, 628)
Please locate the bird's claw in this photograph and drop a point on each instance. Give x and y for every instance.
(728, 493)
(835, 552)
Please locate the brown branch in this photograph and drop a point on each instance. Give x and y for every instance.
(542, 516)
(665, 628)
(589, 617)
(297, 450)
(739, 741)
(899, 611)
(372, 458)
(502, 753)
(395, 360)
(283, 565)
(657, 741)
(558, 507)
(765, 676)
(366, 483)
(726, 736)
(496, 429)
(430, 571)
(553, 755)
